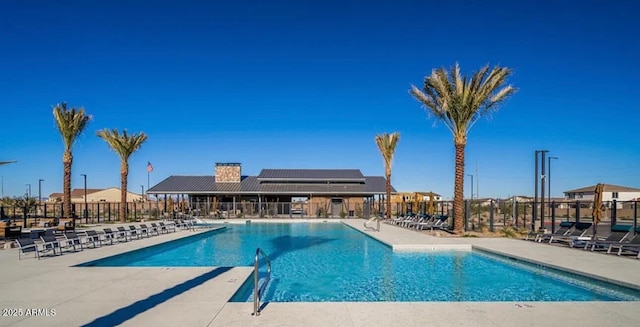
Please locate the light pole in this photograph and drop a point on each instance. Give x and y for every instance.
(142, 198)
(40, 190)
(549, 179)
(85, 196)
(471, 201)
(543, 177)
(471, 186)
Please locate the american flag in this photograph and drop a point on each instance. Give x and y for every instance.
(149, 167)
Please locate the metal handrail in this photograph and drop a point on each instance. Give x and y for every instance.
(367, 227)
(257, 289)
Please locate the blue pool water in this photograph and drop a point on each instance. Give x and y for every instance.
(315, 262)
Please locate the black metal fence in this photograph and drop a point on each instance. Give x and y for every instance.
(479, 216)
(94, 212)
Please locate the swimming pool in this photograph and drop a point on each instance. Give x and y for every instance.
(315, 262)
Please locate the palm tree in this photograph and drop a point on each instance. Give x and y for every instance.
(124, 145)
(387, 145)
(70, 122)
(459, 102)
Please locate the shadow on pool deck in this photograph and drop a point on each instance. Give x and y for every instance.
(123, 314)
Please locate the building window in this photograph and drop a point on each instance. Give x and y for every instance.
(614, 195)
(580, 195)
(572, 195)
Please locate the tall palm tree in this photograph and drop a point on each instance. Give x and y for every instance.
(459, 102)
(70, 122)
(387, 145)
(124, 145)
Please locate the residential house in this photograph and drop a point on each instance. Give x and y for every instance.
(109, 195)
(610, 192)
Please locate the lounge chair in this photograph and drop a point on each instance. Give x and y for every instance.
(150, 230)
(578, 233)
(71, 240)
(632, 246)
(618, 234)
(49, 242)
(158, 228)
(129, 233)
(144, 230)
(137, 232)
(118, 236)
(94, 238)
(170, 227)
(184, 224)
(426, 223)
(564, 228)
(442, 222)
(28, 245)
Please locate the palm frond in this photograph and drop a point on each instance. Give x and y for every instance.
(459, 101)
(70, 122)
(387, 143)
(123, 144)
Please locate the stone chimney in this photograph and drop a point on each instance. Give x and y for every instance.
(228, 172)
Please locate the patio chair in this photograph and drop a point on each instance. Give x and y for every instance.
(564, 228)
(633, 245)
(50, 243)
(144, 230)
(426, 223)
(118, 236)
(414, 223)
(128, 233)
(150, 230)
(158, 228)
(618, 234)
(71, 240)
(137, 232)
(28, 245)
(578, 233)
(170, 227)
(94, 238)
(441, 222)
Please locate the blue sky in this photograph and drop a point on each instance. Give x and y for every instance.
(308, 84)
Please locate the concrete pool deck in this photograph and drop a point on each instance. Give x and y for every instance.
(197, 296)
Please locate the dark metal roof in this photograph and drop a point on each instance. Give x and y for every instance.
(274, 188)
(311, 174)
(252, 185)
(377, 184)
(185, 184)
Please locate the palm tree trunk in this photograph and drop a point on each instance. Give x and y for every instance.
(458, 192)
(67, 160)
(388, 189)
(124, 172)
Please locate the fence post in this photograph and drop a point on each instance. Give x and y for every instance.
(24, 217)
(635, 216)
(577, 211)
(491, 216)
(553, 217)
(515, 213)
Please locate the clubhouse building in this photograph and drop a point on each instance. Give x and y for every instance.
(274, 192)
